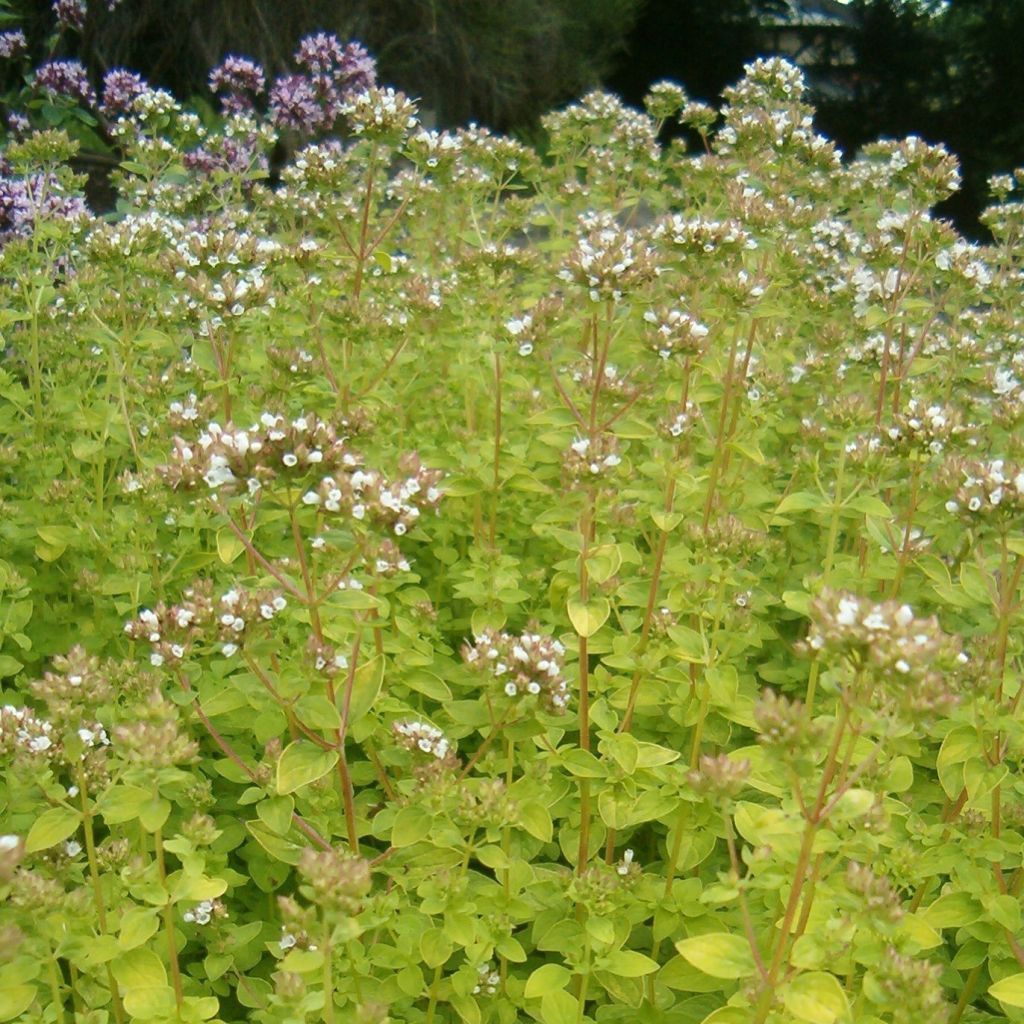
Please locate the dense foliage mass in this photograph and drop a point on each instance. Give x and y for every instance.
(457, 586)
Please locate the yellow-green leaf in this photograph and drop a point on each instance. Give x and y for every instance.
(15, 1000)
(302, 763)
(51, 827)
(229, 547)
(817, 998)
(1009, 990)
(588, 618)
(719, 955)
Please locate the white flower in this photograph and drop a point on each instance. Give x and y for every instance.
(8, 843)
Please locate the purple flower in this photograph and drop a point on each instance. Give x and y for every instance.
(13, 44)
(357, 71)
(18, 125)
(66, 78)
(120, 90)
(15, 209)
(24, 201)
(320, 54)
(294, 104)
(236, 81)
(70, 14)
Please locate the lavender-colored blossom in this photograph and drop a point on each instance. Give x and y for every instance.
(70, 14)
(18, 125)
(357, 71)
(13, 44)
(24, 201)
(15, 209)
(66, 78)
(236, 80)
(120, 90)
(320, 54)
(294, 104)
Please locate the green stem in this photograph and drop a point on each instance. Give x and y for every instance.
(168, 915)
(328, 976)
(97, 888)
(55, 987)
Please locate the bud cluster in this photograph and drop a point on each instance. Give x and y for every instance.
(529, 664)
(719, 777)
(335, 881)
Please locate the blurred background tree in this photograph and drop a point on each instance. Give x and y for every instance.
(500, 62)
(948, 70)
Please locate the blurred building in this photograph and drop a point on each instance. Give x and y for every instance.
(818, 36)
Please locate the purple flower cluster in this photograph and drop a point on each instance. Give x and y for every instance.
(66, 78)
(235, 82)
(294, 105)
(120, 90)
(24, 201)
(13, 44)
(310, 103)
(70, 14)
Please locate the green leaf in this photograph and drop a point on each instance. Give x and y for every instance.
(365, 688)
(301, 763)
(435, 947)
(137, 925)
(627, 963)
(718, 954)
(51, 827)
(801, 501)
(1009, 990)
(603, 562)
(9, 666)
(123, 803)
(666, 521)
(411, 825)
(276, 813)
(817, 998)
(558, 1007)
(139, 968)
(229, 547)
(15, 1000)
(588, 618)
(277, 846)
(549, 978)
(535, 818)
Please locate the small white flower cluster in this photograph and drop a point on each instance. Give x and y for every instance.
(222, 457)
(171, 631)
(985, 487)
(433, 149)
(529, 664)
(697, 235)
(202, 913)
(22, 730)
(675, 332)
(608, 260)
(963, 258)
(585, 459)
(489, 980)
(520, 330)
(365, 494)
(236, 615)
(627, 866)
(422, 736)
(677, 425)
(928, 427)
(383, 114)
(180, 413)
(886, 635)
(93, 735)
